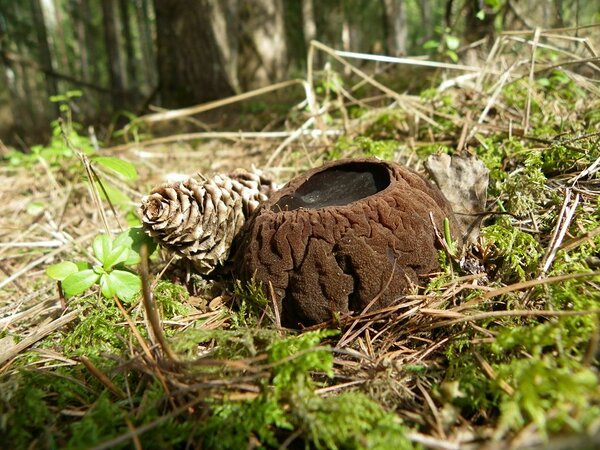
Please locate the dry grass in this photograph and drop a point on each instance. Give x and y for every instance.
(397, 355)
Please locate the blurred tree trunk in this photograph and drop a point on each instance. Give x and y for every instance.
(558, 18)
(448, 13)
(60, 39)
(130, 62)
(263, 47)
(196, 50)
(81, 24)
(142, 11)
(395, 26)
(309, 27)
(426, 10)
(113, 52)
(25, 85)
(44, 48)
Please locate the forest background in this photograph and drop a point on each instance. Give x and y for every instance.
(100, 101)
(128, 57)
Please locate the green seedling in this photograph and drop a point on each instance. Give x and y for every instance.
(450, 244)
(113, 257)
(447, 45)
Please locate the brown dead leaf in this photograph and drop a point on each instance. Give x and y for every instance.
(464, 182)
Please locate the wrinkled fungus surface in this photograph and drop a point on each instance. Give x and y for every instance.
(344, 236)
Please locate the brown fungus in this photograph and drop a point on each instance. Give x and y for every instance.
(342, 236)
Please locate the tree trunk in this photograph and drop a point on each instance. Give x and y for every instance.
(448, 13)
(309, 27)
(559, 21)
(426, 11)
(146, 47)
(93, 43)
(113, 52)
(130, 62)
(263, 58)
(26, 87)
(44, 48)
(396, 27)
(60, 38)
(197, 50)
(81, 19)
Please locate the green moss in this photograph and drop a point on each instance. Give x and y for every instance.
(252, 304)
(476, 395)
(423, 151)
(288, 402)
(592, 116)
(352, 421)
(513, 253)
(558, 158)
(515, 95)
(558, 85)
(524, 189)
(232, 424)
(362, 147)
(101, 330)
(171, 300)
(387, 126)
(554, 397)
(105, 419)
(25, 414)
(538, 378)
(227, 344)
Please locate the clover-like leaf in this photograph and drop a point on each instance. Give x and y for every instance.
(452, 42)
(83, 265)
(78, 282)
(124, 168)
(117, 255)
(452, 55)
(133, 239)
(112, 194)
(61, 270)
(125, 285)
(102, 247)
(106, 287)
(431, 44)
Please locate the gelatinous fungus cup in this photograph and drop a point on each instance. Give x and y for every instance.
(344, 236)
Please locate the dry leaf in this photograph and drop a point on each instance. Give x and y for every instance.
(464, 182)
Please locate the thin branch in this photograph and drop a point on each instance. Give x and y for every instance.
(149, 306)
(514, 313)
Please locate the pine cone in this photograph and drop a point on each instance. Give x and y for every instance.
(200, 219)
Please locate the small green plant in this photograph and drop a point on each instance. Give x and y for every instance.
(112, 256)
(447, 44)
(68, 146)
(450, 243)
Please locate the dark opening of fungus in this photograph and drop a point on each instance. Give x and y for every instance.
(337, 186)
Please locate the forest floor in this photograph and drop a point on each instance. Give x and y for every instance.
(502, 352)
